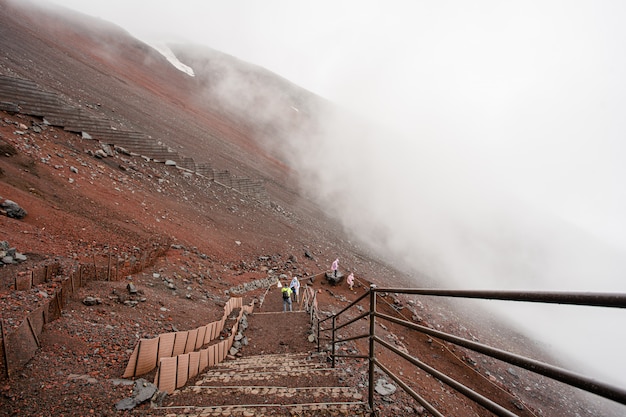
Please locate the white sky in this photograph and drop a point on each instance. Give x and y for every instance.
(529, 96)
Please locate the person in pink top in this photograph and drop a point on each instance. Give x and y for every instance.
(350, 280)
(334, 267)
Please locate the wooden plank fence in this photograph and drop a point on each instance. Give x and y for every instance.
(174, 371)
(19, 344)
(178, 355)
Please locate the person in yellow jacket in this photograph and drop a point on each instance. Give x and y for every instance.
(286, 292)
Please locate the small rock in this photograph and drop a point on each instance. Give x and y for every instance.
(143, 390)
(518, 404)
(100, 154)
(384, 388)
(125, 404)
(107, 149)
(131, 288)
(91, 301)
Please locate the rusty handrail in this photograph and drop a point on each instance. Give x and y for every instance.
(591, 299)
(554, 372)
(610, 300)
(319, 322)
(366, 294)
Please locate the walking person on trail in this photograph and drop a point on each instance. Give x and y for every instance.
(295, 288)
(334, 267)
(286, 292)
(350, 280)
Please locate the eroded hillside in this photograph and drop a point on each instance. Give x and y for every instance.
(88, 201)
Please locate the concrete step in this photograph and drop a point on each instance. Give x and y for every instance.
(205, 395)
(276, 385)
(297, 376)
(352, 409)
(278, 361)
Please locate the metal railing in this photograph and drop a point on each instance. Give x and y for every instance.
(572, 379)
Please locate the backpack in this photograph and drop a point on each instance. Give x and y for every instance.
(286, 295)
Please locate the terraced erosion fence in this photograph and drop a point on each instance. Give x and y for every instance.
(567, 377)
(179, 355)
(20, 343)
(18, 95)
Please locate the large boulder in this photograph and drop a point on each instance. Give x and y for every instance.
(332, 279)
(12, 209)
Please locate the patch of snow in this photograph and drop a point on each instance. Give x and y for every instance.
(169, 55)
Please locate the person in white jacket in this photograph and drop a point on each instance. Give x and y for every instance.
(295, 288)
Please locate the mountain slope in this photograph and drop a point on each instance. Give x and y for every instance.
(125, 204)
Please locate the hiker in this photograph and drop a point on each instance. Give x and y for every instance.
(286, 292)
(350, 280)
(334, 267)
(295, 288)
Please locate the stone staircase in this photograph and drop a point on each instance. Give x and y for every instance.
(279, 373)
(299, 384)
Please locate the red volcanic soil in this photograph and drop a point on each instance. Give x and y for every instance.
(84, 209)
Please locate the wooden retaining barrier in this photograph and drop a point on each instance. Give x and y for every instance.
(19, 344)
(178, 355)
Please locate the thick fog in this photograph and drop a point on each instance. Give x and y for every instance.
(480, 143)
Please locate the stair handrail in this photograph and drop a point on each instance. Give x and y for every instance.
(309, 300)
(567, 377)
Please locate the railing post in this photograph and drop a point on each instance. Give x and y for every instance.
(318, 336)
(333, 340)
(371, 359)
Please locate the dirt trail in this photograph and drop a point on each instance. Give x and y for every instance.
(273, 331)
